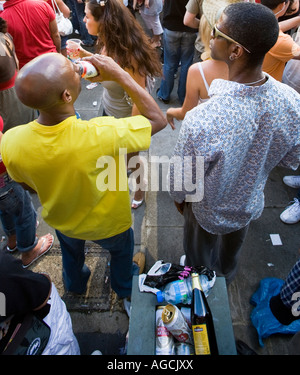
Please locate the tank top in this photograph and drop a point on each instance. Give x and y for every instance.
(115, 100)
(205, 82)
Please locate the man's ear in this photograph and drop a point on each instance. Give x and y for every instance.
(66, 96)
(236, 52)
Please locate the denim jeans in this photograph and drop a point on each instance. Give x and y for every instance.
(18, 215)
(79, 9)
(178, 47)
(76, 273)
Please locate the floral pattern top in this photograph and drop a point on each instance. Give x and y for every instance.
(240, 135)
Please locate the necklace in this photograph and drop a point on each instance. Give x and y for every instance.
(253, 83)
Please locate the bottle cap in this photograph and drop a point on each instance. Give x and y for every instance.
(159, 296)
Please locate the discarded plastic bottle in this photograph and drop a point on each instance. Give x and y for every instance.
(179, 291)
(87, 70)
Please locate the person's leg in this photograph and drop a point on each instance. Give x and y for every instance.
(64, 45)
(8, 224)
(18, 216)
(74, 18)
(75, 272)
(197, 243)
(87, 39)
(138, 169)
(121, 266)
(186, 58)
(217, 252)
(172, 41)
(227, 253)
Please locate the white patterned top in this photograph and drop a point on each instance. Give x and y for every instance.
(242, 133)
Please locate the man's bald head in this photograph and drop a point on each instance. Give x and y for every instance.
(41, 83)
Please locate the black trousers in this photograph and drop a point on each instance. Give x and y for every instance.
(215, 251)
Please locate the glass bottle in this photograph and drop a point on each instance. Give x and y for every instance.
(202, 322)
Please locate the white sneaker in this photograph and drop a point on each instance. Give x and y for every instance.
(292, 181)
(96, 352)
(291, 215)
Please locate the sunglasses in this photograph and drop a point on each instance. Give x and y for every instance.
(216, 32)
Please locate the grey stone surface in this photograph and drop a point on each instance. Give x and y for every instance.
(158, 231)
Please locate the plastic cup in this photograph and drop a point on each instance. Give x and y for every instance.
(73, 46)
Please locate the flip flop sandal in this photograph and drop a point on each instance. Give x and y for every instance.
(41, 252)
(136, 204)
(11, 250)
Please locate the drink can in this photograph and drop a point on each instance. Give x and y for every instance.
(184, 349)
(186, 311)
(164, 339)
(176, 324)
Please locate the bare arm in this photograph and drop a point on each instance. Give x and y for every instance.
(191, 98)
(191, 20)
(55, 35)
(289, 24)
(109, 70)
(63, 8)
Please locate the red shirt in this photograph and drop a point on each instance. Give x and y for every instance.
(28, 23)
(1, 124)
(2, 166)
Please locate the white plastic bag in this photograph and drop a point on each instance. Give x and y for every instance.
(64, 25)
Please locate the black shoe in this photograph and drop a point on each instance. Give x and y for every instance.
(243, 349)
(161, 99)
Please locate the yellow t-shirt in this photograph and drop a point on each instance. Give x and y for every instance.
(78, 170)
(284, 50)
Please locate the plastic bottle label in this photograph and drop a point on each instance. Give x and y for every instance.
(180, 292)
(201, 339)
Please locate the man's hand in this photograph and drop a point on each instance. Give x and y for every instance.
(108, 69)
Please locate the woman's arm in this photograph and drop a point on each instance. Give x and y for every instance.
(141, 80)
(193, 89)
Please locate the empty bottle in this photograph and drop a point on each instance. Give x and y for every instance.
(179, 291)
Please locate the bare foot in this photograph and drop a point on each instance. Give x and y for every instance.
(42, 247)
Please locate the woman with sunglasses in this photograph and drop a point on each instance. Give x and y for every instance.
(121, 37)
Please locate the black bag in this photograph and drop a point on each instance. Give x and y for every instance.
(30, 337)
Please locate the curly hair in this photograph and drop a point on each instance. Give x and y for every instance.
(254, 26)
(123, 37)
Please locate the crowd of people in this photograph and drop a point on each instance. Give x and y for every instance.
(237, 116)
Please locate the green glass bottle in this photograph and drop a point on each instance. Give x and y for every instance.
(202, 322)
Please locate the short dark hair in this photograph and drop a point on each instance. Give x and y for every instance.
(254, 26)
(271, 4)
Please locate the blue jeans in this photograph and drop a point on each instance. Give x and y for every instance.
(79, 9)
(18, 215)
(178, 47)
(76, 273)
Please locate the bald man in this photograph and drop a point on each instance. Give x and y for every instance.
(77, 167)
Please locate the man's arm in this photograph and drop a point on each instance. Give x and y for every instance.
(191, 20)
(55, 35)
(109, 70)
